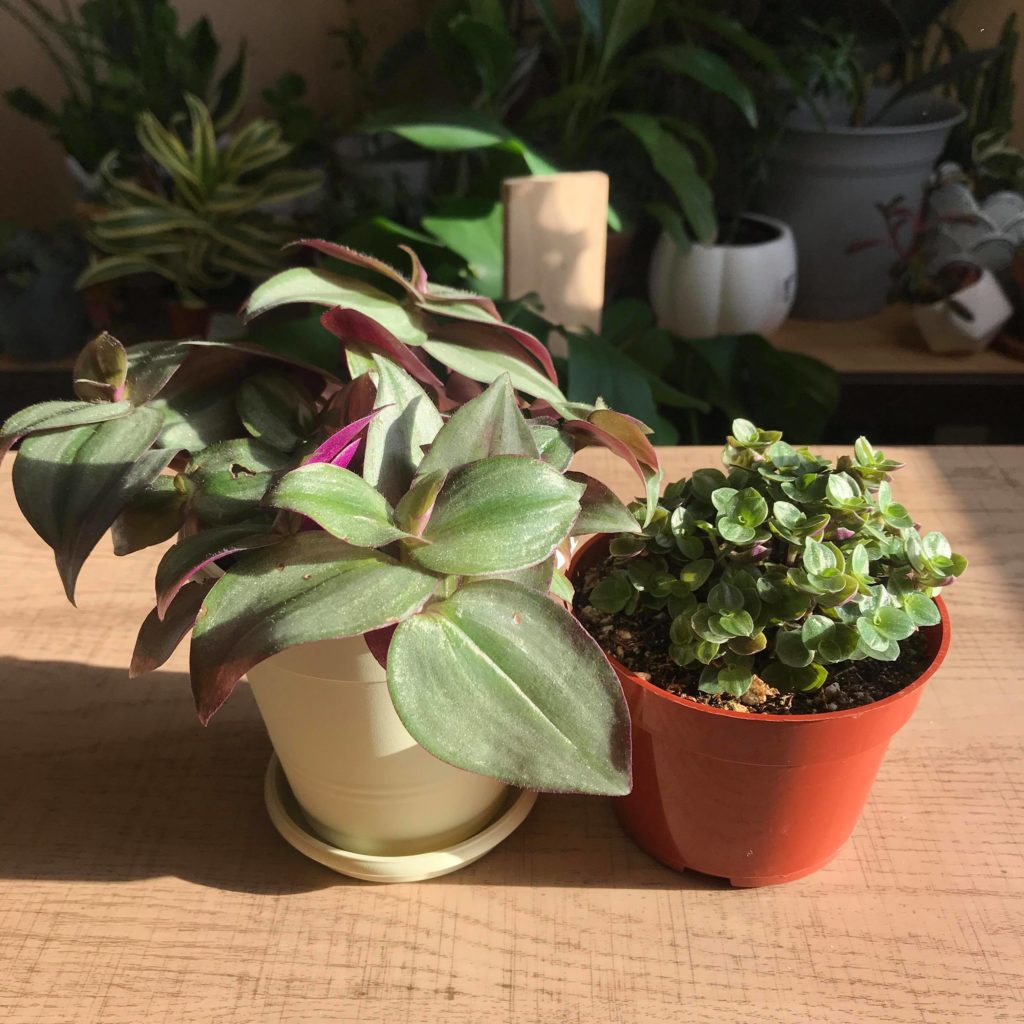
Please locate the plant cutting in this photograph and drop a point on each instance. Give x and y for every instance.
(957, 305)
(320, 517)
(203, 225)
(773, 626)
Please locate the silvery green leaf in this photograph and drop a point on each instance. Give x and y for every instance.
(735, 532)
(870, 636)
(309, 284)
(71, 485)
(184, 560)
(706, 651)
(497, 515)
(546, 708)
(817, 557)
(407, 423)
(792, 678)
(893, 623)
(552, 444)
(922, 609)
(791, 650)
(750, 509)
(490, 424)
(788, 515)
(724, 597)
(339, 501)
(724, 499)
(814, 628)
(838, 644)
(612, 594)
(695, 574)
(57, 416)
(600, 510)
(735, 679)
(745, 432)
(738, 623)
(309, 587)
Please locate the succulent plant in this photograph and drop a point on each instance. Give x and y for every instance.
(782, 566)
(308, 506)
(204, 223)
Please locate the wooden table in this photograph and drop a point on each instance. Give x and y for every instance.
(893, 387)
(141, 881)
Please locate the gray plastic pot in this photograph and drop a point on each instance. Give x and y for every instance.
(825, 183)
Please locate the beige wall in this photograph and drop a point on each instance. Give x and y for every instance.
(283, 35)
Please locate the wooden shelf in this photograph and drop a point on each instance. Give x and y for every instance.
(888, 343)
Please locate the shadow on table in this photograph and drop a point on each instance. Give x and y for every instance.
(107, 779)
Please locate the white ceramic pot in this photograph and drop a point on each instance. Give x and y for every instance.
(948, 333)
(725, 289)
(362, 781)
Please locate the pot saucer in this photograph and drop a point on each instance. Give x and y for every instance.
(289, 821)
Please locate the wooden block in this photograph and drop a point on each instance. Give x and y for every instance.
(556, 230)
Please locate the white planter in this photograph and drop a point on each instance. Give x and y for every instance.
(362, 781)
(948, 333)
(725, 289)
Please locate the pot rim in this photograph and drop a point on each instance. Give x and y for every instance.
(776, 720)
(948, 114)
(780, 227)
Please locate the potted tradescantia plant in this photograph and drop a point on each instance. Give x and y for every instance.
(773, 626)
(325, 521)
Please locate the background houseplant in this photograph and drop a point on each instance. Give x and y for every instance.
(455, 546)
(784, 576)
(958, 305)
(874, 129)
(116, 60)
(203, 224)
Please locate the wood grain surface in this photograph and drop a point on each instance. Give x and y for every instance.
(887, 343)
(141, 881)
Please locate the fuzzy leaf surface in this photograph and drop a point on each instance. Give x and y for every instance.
(546, 709)
(498, 515)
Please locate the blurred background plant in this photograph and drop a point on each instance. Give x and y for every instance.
(118, 59)
(202, 221)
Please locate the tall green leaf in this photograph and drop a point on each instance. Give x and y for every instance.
(675, 164)
(546, 708)
(490, 424)
(407, 422)
(307, 284)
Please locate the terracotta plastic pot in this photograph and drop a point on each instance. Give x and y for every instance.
(756, 799)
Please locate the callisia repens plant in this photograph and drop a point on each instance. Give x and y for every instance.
(781, 566)
(417, 496)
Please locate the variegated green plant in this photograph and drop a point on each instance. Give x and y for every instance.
(781, 567)
(204, 222)
(309, 506)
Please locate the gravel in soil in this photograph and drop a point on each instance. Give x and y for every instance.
(640, 642)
